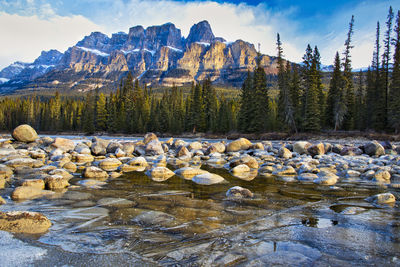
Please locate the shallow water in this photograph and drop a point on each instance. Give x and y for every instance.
(133, 220)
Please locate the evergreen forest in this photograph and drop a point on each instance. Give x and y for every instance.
(362, 101)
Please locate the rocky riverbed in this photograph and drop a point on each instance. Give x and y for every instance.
(195, 202)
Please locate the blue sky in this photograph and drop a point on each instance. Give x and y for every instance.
(29, 26)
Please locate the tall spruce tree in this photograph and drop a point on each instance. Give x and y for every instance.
(386, 56)
(101, 113)
(394, 107)
(348, 80)
(247, 97)
(285, 106)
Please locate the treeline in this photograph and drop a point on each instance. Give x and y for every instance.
(366, 101)
(131, 109)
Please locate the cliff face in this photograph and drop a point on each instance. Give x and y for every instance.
(157, 56)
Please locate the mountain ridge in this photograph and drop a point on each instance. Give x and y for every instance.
(157, 56)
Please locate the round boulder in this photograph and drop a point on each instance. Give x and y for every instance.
(239, 192)
(24, 133)
(24, 222)
(239, 144)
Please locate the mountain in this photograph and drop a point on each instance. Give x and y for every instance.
(157, 56)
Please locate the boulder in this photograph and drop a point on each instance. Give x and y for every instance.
(239, 192)
(285, 171)
(160, 174)
(382, 176)
(285, 153)
(139, 162)
(247, 160)
(384, 198)
(128, 148)
(188, 173)
(25, 133)
(326, 178)
(239, 169)
(20, 162)
(195, 146)
(149, 137)
(183, 152)
(301, 147)
(98, 147)
(374, 149)
(154, 147)
(70, 166)
(208, 179)
(56, 182)
(82, 149)
(110, 164)
(216, 147)
(61, 172)
(119, 153)
(28, 192)
(37, 183)
(5, 172)
(83, 158)
(63, 144)
(238, 145)
(318, 149)
(95, 173)
(306, 176)
(24, 222)
(350, 151)
(2, 201)
(112, 147)
(258, 146)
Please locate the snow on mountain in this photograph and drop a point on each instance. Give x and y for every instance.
(94, 51)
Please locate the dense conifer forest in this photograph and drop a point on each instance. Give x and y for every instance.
(362, 101)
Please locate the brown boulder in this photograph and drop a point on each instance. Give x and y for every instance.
(24, 133)
(24, 222)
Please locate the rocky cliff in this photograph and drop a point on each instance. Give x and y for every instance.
(157, 56)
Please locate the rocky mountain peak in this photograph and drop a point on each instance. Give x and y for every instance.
(200, 32)
(51, 57)
(96, 40)
(164, 35)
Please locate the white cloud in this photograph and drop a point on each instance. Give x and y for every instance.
(24, 37)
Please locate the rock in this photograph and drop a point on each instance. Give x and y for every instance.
(374, 149)
(326, 178)
(28, 192)
(136, 164)
(160, 174)
(82, 149)
(306, 176)
(56, 182)
(182, 152)
(61, 172)
(37, 183)
(70, 166)
(318, 149)
(239, 169)
(188, 173)
(115, 202)
(301, 147)
(2, 183)
(149, 137)
(285, 171)
(382, 176)
(110, 164)
(119, 153)
(352, 174)
(195, 146)
(37, 154)
(2, 201)
(24, 222)
(128, 148)
(239, 192)
(247, 160)
(285, 153)
(208, 179)
(83, 158)
(98, 148)
(350, 151)
(63, 144)
(95, 173)
(337, 148)
(384, 198)
(258, 146)
(239, 144)
(25, 133)
(5, 172)
(154, 147)
(112, 147)
(20, 162)
(179, 143)
(216, 147)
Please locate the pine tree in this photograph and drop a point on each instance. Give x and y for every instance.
(348, 80)
(386, 60)
(305, 80)
(394, 107)
(246, 103)
(295, 92)
(210, 105)
(359, 117)
(261, 112)
(101, 113)
(285, 106)
(88, 114)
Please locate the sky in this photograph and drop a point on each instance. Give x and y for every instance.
(29, 26)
